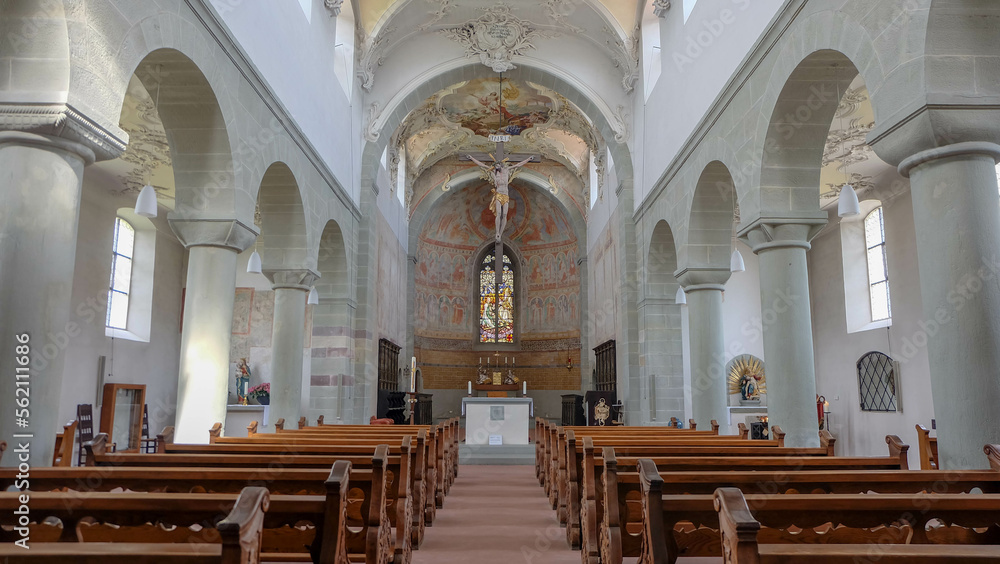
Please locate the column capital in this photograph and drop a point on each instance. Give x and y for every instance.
(991, 150)
(48, 142)
(292, 278)
(226, 233)
(698, 279)
(65, 122)
(769, 233)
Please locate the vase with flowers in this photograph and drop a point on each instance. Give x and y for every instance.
(261, 393)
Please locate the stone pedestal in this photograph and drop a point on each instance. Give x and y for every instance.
(40, 181)
(291, 288)
(956, 212)
(781, 246)
(203, 382)
(704, 288)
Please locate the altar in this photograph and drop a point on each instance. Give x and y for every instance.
(492, 421)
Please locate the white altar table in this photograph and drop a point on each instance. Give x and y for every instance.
(505, 419)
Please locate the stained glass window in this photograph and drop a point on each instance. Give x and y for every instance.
(496, 305)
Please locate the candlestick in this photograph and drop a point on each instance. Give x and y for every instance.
(413, 374)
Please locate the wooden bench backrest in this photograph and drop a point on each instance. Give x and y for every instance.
(65, 445)
(927, 447)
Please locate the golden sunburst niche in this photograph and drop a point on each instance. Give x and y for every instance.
(746, 378)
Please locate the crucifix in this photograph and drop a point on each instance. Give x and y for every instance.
(500, 174)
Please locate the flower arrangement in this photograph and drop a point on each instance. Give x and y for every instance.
(261, 392)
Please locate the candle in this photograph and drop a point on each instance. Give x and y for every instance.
(470, 387)
(524, 387)
(480, 360)
(413, 374)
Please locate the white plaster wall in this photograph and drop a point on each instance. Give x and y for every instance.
(153, 363)
(686, 90)
(301, 72)
(837, 352)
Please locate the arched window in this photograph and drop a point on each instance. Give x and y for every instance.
(688, 8)
(877, 382)
(121, 275)
(496, 305)
(878, 269)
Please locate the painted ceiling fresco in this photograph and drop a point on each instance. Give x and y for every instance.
(147, 157)
(461, 118)
(848, 157)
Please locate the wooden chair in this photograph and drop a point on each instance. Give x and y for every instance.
(928, 448)
(85, 422)
(147, 445)
(63, 454)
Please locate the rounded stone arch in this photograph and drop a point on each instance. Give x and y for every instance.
(197, 134)
(389, 118)
(284, 238)
(661, 262)
(707, 241)
(332, 264)
(800, 103)
(21, 28)
(291, 162)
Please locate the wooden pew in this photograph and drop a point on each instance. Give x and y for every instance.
(869, 528)
(237, 537)
(427, 454)
(405, 498)
(355, 504)
(622, 491)
(570, 491)
(3, 447)
(64, 450)
(927, 446)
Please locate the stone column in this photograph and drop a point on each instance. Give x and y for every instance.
(40, 182)
(956, 212)
(291, 288)
(704, 287)
(781, 246)
(203, 382)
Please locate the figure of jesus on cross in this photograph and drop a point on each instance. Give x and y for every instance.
(500, 174)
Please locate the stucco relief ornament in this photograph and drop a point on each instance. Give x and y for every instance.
(660, 8)
(334, 6)
(496, 37)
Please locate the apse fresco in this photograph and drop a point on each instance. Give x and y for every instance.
(450, 270)
(476, 105)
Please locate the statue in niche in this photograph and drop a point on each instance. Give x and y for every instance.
(746, 377)
(500, 176)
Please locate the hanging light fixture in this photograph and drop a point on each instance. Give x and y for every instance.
(253, 265)
(847, 202)
(848, 205)
(736, 263)
(313, 297)
(680, 298)
(145, 204)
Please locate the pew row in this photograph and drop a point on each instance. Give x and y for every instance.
(404, 497)
(866, 528)
(235, 539)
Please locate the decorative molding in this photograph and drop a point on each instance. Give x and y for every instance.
(621, 125)
(660, 8)
(557, 12)
(371, 55)
(62, 120)
(371, 129)
(625, 54)
(444, 6)
(600, 164)
(496, 37)
(334, 6)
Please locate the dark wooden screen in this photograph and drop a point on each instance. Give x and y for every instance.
(388, 365)
(606, 373)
